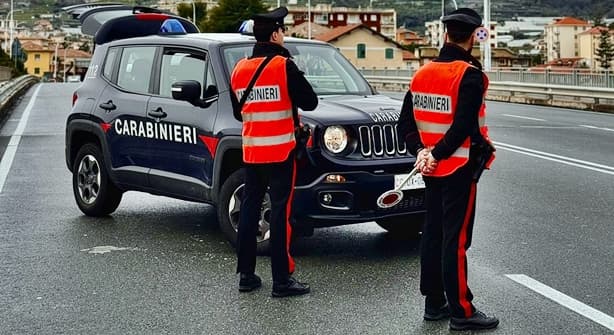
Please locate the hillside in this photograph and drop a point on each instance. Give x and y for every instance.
(413, 13)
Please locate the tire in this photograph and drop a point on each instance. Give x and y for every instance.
(407, 226)
(94, 192)
(229, 207)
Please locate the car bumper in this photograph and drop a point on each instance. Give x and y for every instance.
(325, 204)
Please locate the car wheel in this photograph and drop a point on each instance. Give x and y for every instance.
(407, 226)
(229, 208)
(94, 192)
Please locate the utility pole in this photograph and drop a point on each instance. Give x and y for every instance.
(11, 32)
(487, 54)
(309, 19)
(55, 61)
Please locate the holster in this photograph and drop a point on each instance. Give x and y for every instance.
(301, 134)
(480, 154)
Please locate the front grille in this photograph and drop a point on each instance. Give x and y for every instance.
(381, 141)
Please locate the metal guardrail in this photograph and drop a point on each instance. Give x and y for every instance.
(12, 88)
(580, 97)
(571, 77)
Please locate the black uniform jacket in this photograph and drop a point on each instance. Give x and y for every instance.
(301, 92)
(467, 109)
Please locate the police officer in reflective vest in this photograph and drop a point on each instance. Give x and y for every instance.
(270, 117)
(442, 121)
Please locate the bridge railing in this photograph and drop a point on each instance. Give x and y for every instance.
(570, 77)
(530, 90)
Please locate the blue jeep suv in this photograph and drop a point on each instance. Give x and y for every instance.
(154, 114)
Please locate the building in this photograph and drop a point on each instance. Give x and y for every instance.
(409, 37)
(301, 30)
(72, 62)
(501, 57)
(383, 21)
(365, 47)
(39, 57)
(589, 43)
(562, 38)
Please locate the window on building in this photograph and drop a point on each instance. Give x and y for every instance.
(373, 18)
(361, 50)
(389, 53)
(37, 57)
(37, 70)
(339, 17)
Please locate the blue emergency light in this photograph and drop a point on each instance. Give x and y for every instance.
(172, 27)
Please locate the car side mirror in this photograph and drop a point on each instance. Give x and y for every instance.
(189, 90)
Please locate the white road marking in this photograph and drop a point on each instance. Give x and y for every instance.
(11, 149)
(103, 249)
(557, 158)
(593, 127)
(564, 300)
(524, 117)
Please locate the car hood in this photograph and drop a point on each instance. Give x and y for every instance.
(354, 109)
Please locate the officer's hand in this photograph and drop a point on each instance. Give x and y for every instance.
(421, 157)
(430, 164)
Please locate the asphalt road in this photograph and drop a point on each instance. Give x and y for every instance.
(161, 266)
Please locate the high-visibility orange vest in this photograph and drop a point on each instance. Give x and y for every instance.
(268, 125)
(435, 96)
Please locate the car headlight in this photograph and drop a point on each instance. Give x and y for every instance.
(335, 139)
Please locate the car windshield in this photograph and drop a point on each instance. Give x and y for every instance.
(325, 68)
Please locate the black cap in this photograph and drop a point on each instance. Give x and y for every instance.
(464, 18)
(266, 24)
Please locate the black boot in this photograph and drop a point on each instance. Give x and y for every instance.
(249, 282)
(477, 321)
(289, 288)
(436, 307)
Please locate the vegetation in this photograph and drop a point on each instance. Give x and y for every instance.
(16, 65)
(605, 51)
(186, 10)
(229, 14)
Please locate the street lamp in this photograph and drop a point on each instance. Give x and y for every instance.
(11, 28)
(487, 43)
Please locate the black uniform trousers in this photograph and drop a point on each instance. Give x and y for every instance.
(447, 232)
(279, 177)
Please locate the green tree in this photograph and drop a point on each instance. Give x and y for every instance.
(185, 9)
(229, 14)
(605, 50)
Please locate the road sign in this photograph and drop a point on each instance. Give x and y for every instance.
(481, 34)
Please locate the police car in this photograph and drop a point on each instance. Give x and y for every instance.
(154, 114)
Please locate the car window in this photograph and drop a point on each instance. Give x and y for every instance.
(109, 61)
(325, 68)
(180, 65)
(135, 69)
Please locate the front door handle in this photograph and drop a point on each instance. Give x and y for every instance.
(108, 106)
(157, 113)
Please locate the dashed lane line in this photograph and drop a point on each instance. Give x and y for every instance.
(11, 149)
(598, 128)
(564, 300)
(524, 117)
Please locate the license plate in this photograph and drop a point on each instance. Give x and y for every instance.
(414, 183)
